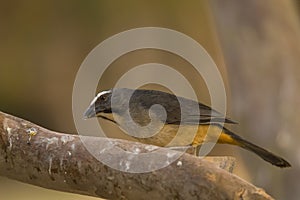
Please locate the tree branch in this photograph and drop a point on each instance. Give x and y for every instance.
(35, 155)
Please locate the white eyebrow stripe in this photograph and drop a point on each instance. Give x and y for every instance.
(103, 92)
(99, 94)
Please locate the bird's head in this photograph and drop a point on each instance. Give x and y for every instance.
(108, 101)
(100, 104)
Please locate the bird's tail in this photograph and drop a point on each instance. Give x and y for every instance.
(263, 153)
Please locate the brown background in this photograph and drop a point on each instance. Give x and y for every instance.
(43, 43)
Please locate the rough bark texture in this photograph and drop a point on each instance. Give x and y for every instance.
(61, 162)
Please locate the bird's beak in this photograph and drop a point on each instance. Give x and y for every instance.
(90, 112)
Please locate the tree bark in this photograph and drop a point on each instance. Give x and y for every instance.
(35, 155)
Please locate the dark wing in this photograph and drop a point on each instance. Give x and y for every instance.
(190, 114)
(187, 115)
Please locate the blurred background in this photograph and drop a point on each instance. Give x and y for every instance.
(255, 44)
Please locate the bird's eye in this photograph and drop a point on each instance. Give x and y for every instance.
(103, 98)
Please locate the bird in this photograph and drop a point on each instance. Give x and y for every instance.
(166, 120)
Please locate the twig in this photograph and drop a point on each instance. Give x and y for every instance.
(35, 155)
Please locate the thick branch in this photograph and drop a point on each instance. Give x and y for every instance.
(61, 162)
